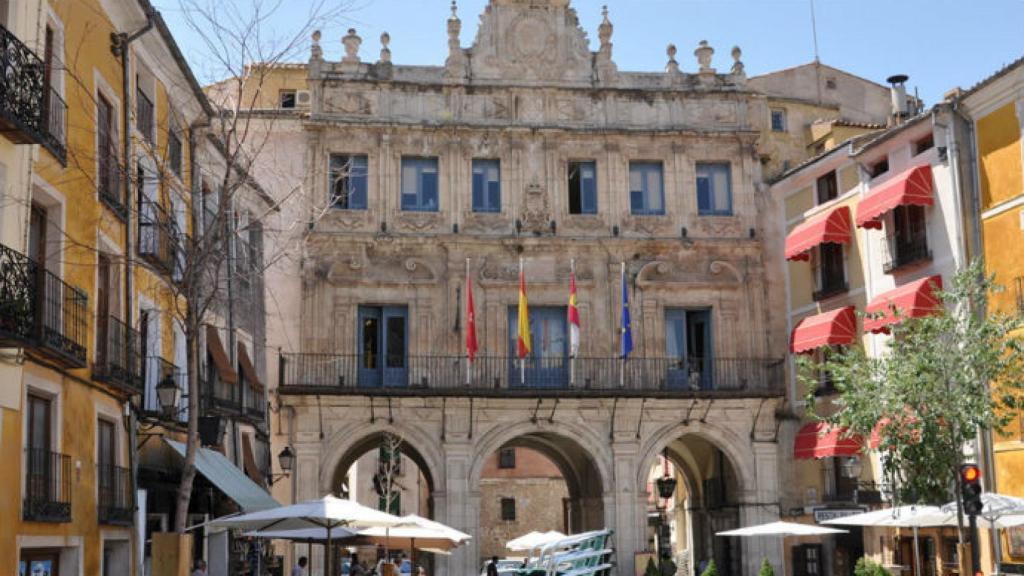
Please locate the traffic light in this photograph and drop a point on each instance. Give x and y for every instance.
(970, 489)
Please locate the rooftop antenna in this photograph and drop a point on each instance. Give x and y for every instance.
(814, 31)
(817, 61)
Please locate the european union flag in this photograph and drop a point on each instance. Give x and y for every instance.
(626, 328)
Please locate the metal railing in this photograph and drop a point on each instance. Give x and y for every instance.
(254, 401)
(157, 236)
(64, 320)
(31, 112)
(39, 310)
(489, 375)
(47, 486)
(108, 181)
(218, 395)
(831, 285)
(900, 251)
(114, 495)
(117, 361)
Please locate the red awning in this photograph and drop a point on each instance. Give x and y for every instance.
(819, 440)
(835, 327)
(912, 187)
(911, 300)
(905, 428)
(833, 227)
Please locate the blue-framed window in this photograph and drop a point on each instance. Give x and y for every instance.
(486, 185)
(347, 182)
(714, 189)
(778, 120)
(419, 184)
(583, 187)
(646, 188)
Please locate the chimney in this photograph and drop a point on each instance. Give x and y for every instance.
(898, 92)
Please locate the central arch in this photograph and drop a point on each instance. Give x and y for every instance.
(582, 463)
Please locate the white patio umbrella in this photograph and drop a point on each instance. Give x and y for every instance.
(328, 513)
(531, 540)
(781, 529)
(913, 517)
(1000, 510)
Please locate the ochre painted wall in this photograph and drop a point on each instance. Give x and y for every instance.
(999, 151)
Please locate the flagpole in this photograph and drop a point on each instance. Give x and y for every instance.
(522, 361)
(572, 356)
(469, 365)
(622, 331)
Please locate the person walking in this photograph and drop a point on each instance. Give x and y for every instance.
(492, 566)
(300, 568)
(200, 569)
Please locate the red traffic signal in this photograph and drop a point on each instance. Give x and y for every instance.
(970, 489)
(970, 473)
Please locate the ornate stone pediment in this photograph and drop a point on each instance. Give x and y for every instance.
(372, 265)
(531, 40)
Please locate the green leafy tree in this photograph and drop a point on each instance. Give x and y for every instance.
(927, 395)
(710, 570)
(766, 568)
(866, 567)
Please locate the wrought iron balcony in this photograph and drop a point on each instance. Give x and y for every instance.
(114, 495)
(47, 486)
(31, 112)
(506, 376)
(40, 311)
(899, 251)
(218, 396)
(158, 237)
(254, 402)
(117, 361)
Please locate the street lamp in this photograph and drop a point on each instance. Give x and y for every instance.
(851, 467)
(285, 459)
(666, 484)
(168, 394)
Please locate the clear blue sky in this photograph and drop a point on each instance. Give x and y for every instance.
(938, 43)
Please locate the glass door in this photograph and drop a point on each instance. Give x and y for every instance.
(383, 346)
(688, 349)
(548, 363)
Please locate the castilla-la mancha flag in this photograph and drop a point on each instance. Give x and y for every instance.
(574, 318)
(471, 346)
(523, 343)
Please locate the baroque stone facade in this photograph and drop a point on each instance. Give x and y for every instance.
(373, 305)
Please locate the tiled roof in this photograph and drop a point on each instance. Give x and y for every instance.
(995, 76)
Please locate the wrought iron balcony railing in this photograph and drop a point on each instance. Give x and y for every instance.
(47, 486)
(831, 286)
(31, 111)
(218, 396)
(114, 495)
(504, 376)
(117, 361)
(898, 251)
(158, 237)
(254, 402)
(40, 311)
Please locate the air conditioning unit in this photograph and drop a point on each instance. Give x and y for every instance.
(303, 99)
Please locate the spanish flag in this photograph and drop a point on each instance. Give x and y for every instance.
(523, 343)
(574, 316)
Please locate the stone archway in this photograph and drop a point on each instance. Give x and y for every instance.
(584, 465)
(718, 484)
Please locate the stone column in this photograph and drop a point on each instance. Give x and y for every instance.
(623, 513)
(461, 509)
(755, 509)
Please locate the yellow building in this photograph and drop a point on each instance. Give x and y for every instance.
(96, 174)
(996, 110)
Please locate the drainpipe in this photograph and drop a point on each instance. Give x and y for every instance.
(984, 442)
(120, 44)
